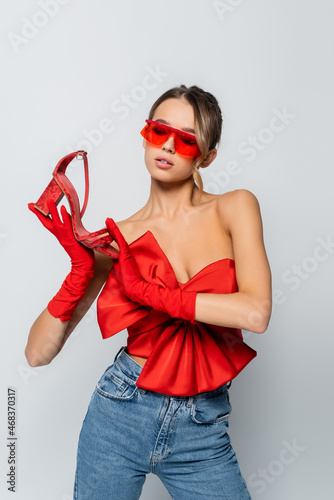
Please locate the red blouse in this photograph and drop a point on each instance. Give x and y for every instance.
(183, 359)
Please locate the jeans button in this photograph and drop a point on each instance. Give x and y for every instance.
(142, 391)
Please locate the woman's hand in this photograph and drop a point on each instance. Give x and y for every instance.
(127, 272)
(79, 254)
(177, 303)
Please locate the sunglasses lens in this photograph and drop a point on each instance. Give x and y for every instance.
(188, 147)
(158, 133)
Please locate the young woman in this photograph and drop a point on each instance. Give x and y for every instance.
(189, 271)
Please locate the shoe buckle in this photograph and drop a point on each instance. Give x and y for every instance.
(80, 155)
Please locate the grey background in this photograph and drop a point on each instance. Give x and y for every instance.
(258, 57)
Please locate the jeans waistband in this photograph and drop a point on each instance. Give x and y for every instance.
(128, 365)
(132, 369)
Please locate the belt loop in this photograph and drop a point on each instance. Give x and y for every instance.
(190, 401)
(229, 384)
(121, 349)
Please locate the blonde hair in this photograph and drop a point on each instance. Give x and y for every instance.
(208, 121)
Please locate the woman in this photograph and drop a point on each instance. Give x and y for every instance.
(189, 272)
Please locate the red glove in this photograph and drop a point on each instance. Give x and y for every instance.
(76, 282)
(177, 302)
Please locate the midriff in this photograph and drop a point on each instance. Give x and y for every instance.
(139, 359)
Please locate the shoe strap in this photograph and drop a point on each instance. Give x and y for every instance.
(86, 184)
(62, 166)
(83, 155)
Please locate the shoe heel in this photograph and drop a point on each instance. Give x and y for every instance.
(51, 192)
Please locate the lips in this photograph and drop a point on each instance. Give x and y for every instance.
(158, 158)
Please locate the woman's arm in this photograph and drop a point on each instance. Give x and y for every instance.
(48, 335)
(250, 307)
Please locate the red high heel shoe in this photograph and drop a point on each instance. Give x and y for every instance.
(58, 187)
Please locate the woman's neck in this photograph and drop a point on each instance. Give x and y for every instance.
(170, 201)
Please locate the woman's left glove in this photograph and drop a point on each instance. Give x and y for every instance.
(176, 302)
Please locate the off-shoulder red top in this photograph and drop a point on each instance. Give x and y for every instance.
(183, 359)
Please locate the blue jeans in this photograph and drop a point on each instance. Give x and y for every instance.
(129, 432)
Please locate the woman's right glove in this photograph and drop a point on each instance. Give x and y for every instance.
(74, 287)
(176, 302)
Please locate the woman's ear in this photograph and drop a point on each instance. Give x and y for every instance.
(209, 158)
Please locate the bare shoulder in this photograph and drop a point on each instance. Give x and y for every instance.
(230, 196)
(233, 205)
(128, 228)
(241, 212)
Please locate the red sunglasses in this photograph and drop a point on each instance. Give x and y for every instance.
(158, 133)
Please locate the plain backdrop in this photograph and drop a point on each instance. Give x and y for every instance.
(83, 75)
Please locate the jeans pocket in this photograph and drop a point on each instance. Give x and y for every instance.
(212, 409)
(115, 384)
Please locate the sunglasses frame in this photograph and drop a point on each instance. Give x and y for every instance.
(178, 136)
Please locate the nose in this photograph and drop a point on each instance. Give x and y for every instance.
(169, 144)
